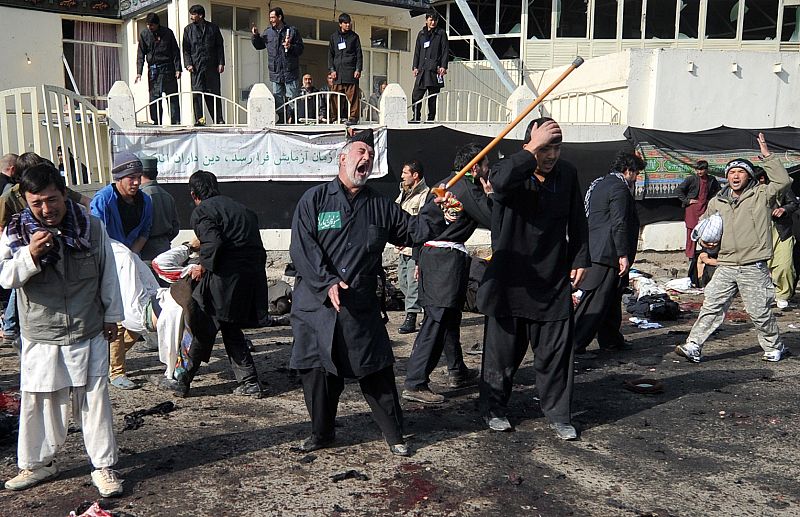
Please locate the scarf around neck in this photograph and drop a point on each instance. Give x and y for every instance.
(73, 231)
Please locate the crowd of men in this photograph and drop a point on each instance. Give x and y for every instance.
(95, 278)
(203, 56)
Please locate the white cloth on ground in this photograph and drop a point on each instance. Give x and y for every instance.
(170, 330)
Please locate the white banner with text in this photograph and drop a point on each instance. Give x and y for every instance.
(243, 155)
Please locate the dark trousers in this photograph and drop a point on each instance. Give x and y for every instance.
(600, 313)
(417, 94)
(321, 390)
(207, 81)
(204, 332)
(164, 83)
(353, 97)
(440, 331)
(505, 344)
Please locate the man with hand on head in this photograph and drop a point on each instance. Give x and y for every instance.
(59, 260)
(539, 239)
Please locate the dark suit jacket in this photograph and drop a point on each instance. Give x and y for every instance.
(690, 188)
(613, 222)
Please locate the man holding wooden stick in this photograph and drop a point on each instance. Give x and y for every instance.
(540, 244)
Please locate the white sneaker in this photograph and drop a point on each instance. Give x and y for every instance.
(28, 478)
(690, 351)
(781, 304)
(773, 356)
(107, 482)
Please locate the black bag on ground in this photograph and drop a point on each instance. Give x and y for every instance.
(657, 307)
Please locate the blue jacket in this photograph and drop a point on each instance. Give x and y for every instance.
(283, 64)
(104, 207)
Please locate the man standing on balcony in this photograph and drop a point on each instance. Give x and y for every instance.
(430, 65)
(204, 56)
(345, 63)
(158, 45)
(284, 46)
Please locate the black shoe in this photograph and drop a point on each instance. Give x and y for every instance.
(463, 379)
(409, 325)
(314, 443)
(249, 389)
(180, 389)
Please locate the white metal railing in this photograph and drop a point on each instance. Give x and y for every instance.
(227, 111)
(581, 108)
(461, 106)
(59, 125)
(314, 108)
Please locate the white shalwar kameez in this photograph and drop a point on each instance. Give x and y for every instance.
(49, 372)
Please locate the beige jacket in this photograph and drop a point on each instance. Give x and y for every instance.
(411, 201)
(747, 221)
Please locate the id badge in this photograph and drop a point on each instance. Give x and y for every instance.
(342, 45)
(426, 44)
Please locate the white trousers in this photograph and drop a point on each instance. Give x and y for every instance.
(44, 417)
(170, 331)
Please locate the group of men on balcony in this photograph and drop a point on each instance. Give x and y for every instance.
(204, 58)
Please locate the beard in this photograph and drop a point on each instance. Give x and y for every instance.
(359, 181)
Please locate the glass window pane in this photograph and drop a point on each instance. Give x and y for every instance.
(326, 29)
(380, 37)
(539, 18)
(510, 17)
(399, 40)
(689, 19)
(791, 24)
(459, 50)
(632, 19)
(760, 20)
(660, 21)
(307, 27)
(222, 15)
(246, 19)
(458, 26)
(605, 19)
(721, 19)
(485, 14)
(380, 63)
(572, 20)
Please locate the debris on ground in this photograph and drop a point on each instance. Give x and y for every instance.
(89, 509)
(134, 419)
(349, 474)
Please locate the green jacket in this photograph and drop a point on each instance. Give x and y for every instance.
(747, 221)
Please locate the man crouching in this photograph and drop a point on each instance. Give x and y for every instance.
(59, 259)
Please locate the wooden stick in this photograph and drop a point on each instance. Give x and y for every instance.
(439, 192)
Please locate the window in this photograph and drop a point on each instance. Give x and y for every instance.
(380, 37)
(399, 40)
(539, 17)
(246, 19)
(791, 24)
(222, 15)
(721, 19)
(605, 19)
(92, 55)
(689, 19)
(571, 18)
(326, 29)
(660, 20)
(760, 20)
(307, 27)
(632, 19)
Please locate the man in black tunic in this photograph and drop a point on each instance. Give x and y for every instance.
(339, 232)
(613, 236)
(431, 54)
(204, 58)
(158, 45)
(231, 292)
(443, 276)
(539, 239)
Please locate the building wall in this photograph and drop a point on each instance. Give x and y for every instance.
(39, 36)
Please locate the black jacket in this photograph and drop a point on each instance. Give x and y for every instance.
(234, 286)
(444, 272)
(783, 224)
(203, 47)
(613, 222)
(283, 64)
(160, 48)
(539, 234)
(337, 239)
(690, 188)
(428, 59)
(345, 62)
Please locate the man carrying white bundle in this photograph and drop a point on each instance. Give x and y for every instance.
(745, 247)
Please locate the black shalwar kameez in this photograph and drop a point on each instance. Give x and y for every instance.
(335, 238)
(539, 234)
